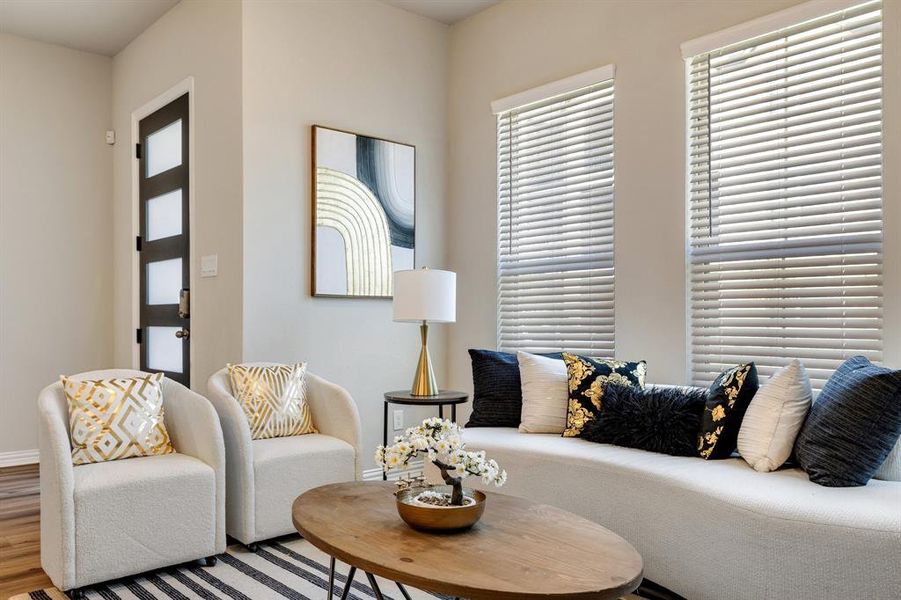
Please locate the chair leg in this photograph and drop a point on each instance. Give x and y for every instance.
(252, 547)
(76, 594)
(210, 561)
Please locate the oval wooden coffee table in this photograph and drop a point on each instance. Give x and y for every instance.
(519, 549)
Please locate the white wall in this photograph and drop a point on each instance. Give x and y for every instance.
(364, 67)
(520, 44)
(199, 39)
(55, 220)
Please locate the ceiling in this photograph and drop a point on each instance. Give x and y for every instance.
(107, 26)
(100, 26)
(446, 11)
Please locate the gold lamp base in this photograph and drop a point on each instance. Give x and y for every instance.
(424, 383)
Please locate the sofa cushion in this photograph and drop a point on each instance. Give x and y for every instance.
(120, 506)
(774, 418)
(497, 389)
(853, 425)
(657, 419)
(586, 378)
(727, 400)
(795, 539)
(284, 468)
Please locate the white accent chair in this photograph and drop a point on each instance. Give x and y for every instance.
(265, 476)
(108, 520)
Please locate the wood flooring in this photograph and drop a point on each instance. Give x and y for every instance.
(20, 532)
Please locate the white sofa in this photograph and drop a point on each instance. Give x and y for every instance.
(265, 476)
(108, 520)
(714, 530)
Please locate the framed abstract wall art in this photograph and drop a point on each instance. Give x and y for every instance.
(364, 213)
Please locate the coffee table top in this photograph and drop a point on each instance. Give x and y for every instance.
(519, 549)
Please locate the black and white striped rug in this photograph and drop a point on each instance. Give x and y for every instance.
(288, 567)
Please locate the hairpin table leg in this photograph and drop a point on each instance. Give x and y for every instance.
(331, 578)
(403, 590)
(375, 587)
(347, 584)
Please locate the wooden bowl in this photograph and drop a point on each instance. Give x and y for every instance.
(440, 518)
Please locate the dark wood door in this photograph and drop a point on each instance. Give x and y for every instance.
(163, 244)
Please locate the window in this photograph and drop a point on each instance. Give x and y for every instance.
(555, 217)
(785, 196)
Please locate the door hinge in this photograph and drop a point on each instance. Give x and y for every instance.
(138, 151)
(139, 336)
(138, 243)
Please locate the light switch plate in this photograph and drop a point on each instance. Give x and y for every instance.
(209, 265)
(398, 420)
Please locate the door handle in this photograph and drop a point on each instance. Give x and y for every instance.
(183, 334)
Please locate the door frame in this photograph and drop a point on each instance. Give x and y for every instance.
(185, 86)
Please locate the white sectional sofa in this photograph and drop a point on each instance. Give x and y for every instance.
(715, 530)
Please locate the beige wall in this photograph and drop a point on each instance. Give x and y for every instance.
(520, 44)
(364, 67)
(199, 39)
(55, 218)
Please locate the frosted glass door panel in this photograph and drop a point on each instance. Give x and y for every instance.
(164, 149)
(164, 350)
(164, 216)
(164, 279)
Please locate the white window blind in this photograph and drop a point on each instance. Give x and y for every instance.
(555, 223)
(786, 197)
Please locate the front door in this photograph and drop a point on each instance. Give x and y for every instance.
(165, 320)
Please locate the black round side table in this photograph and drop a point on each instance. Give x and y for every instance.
(404, 397)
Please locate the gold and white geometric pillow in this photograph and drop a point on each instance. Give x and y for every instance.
(273, 399)
(111, 419)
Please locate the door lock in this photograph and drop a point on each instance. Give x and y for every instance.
(183, 334)
(184, 304)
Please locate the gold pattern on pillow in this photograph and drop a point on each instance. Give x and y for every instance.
(111, 419)
(273, 398)
(587, 378)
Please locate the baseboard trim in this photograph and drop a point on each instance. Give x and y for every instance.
(18, 457)
(414, 468)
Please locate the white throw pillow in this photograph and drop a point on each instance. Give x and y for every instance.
(775, 417)
(544, 393)
(891, 468)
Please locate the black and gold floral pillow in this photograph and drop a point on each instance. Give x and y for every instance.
(727, 400)
(587, 378)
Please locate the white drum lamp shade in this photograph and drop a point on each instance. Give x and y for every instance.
(425, 295)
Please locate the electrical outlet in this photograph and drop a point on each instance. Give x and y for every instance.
(398, 420)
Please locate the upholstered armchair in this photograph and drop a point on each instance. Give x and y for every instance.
(265, 476)
(107, 520)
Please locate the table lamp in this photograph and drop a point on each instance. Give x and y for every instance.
(422, 296)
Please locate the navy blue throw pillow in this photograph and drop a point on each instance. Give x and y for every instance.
(664, 420)
(497, 389)
(852, 426)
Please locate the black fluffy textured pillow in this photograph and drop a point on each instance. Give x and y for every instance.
(497, 389)
(664, 420)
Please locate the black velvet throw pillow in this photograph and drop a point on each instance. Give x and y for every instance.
(660, 419)
(497, 389)
(727, 401)
(852, 426)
